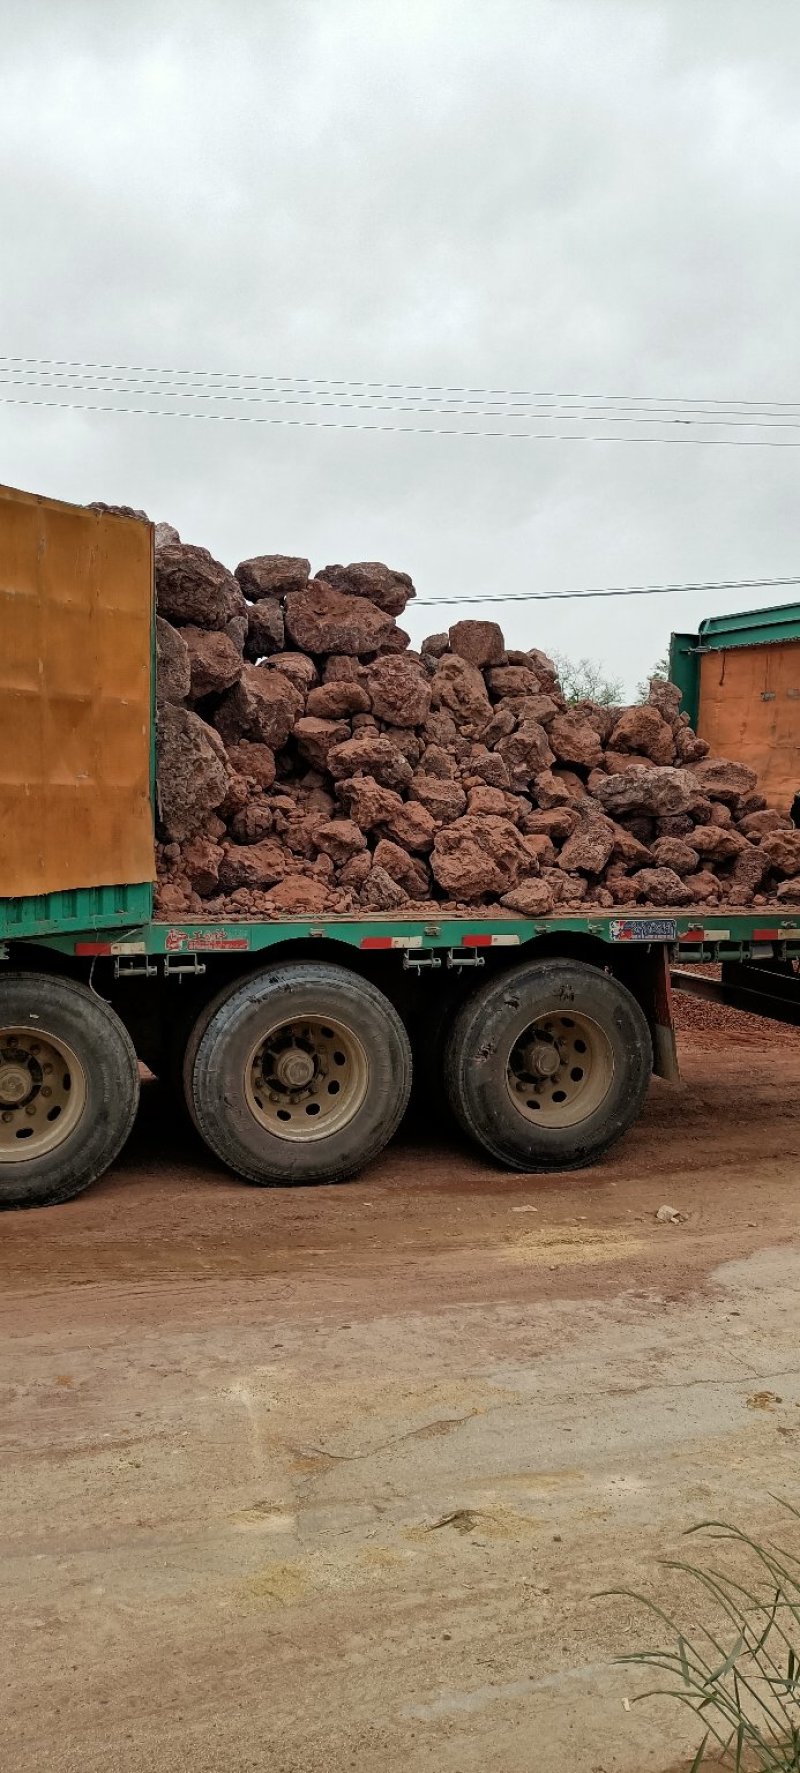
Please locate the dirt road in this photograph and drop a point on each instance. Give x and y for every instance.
(327, 1480)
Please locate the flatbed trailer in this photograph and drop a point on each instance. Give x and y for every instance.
(291, 1044)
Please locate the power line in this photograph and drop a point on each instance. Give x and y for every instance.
(397, 387)
(611, 591)
(513, 415)
(408, 430)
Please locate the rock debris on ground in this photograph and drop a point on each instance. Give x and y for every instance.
(311, 761)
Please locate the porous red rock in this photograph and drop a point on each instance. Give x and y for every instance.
(660, 886)
(575, 741)
(371, 754)
(193, 771)
(315, 738)
(296, 895)
(644, 731)
(783, 850)
(399, 691)
(412, 825)
(480, 643)
(272, 575)
(534, 898)
(477, 856)
(252, 822)
(263, 705)
(193, 587)
(253, 760)
(368, 802)
(445, 800)
(324, 620)
(589, 848)
(459, 688)
(335, 701)
(726, 781)
(340, 839)
(388, 590)
(252, 864)
(265, 629)
(672, 852)
(173, 677)
(525, 752)
(215, 663)
(200, 859)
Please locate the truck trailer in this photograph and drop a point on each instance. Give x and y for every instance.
(292, 1043)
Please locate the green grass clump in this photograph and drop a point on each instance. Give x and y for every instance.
(741, 1675)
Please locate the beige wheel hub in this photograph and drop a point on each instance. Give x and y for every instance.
(560, 1069)
(306, 1078)
(42, 1093)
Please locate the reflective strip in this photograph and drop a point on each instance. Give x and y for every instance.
(481, 941)
(92, 947)
(390, 942)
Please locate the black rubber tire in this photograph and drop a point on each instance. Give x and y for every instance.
(101, 1043)
(217, 1053)
(481, 1040)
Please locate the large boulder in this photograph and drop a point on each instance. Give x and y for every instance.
(644, 730)
(656, 792)
(252, 864)
(525, 752)
(192, 771)
(215, 664)
(388, 590)
(193, 587)
(263, 705)
(370, 755)
(783, 851)
(478, 856)
(399, 691)
(368, 802)
(271, 575)
(445, 800)
(575, 740)
(722, 780)
(458, 688)
(480, 643)
(173, 674)
(324, 620)
(589, 848)
(315, 738)
(412, 825)
(335, 701)
(265, 630)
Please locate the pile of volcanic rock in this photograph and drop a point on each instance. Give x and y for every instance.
(309, 762)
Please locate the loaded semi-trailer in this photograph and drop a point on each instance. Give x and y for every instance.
(292, 1042)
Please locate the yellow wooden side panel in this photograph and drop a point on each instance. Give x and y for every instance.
(750, 711)
(76, 612)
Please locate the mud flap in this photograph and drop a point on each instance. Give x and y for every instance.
(652, 985)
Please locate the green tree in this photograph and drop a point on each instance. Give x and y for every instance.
(661, 670)
(583, 680)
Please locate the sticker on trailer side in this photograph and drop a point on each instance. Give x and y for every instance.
(643, 929)
(213, 941)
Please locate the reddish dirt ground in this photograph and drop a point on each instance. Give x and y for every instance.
(327, 1477)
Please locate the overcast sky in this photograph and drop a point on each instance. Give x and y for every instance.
(588, 196)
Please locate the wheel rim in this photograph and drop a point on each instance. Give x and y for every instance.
(306, 1078)
(559, 1069)
(42, 1093)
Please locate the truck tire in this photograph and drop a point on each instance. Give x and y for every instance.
(300, 1074)
(547, 1065)
(69, 1088)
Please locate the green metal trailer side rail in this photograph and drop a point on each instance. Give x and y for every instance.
(695, 934)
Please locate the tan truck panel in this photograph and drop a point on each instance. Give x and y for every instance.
(76, 612)
(750, 711)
